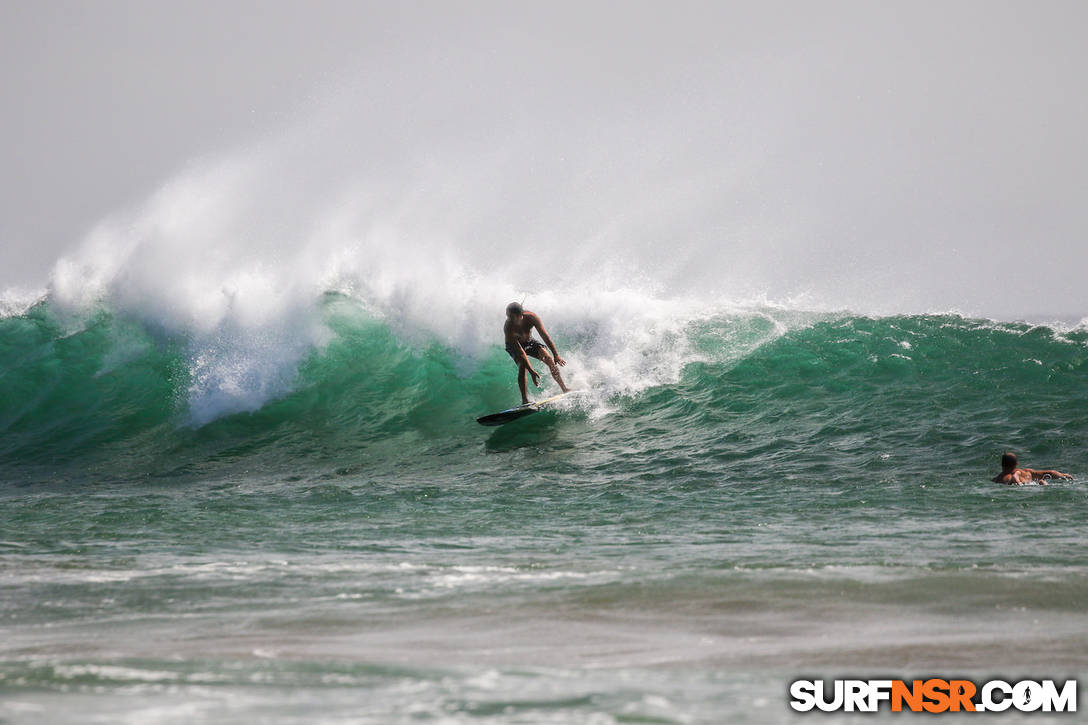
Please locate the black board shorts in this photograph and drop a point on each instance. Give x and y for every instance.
(531, 348)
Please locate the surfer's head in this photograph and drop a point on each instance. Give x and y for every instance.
(514, 310)
(1008, 461)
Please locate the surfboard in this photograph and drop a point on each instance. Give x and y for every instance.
(522, 410)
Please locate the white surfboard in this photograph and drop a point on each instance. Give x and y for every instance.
(522, 410)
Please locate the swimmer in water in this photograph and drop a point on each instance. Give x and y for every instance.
(1014, 476)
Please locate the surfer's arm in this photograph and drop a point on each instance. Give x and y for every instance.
(548, 341)
(1040, 475)
(523, 358)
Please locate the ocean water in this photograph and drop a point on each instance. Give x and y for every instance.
(282, 509)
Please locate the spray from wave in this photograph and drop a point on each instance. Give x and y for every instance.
(436, 189)
(232, 259)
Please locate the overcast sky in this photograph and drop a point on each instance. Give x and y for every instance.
(914, 151)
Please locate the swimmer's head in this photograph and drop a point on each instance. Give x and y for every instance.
(514, 310)
(1008, 461)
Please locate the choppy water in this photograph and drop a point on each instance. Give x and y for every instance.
(204, 527)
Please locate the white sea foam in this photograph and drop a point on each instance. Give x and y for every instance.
(218, 258)
(16, 301)
(233, 254)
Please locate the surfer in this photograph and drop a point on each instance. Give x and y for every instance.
(1014, 476)
(518, 331)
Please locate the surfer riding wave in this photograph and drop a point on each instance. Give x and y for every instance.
(518, 331)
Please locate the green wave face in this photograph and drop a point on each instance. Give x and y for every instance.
(797, 396)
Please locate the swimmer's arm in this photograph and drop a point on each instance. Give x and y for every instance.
(1040, 475)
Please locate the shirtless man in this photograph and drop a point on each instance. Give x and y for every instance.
(520, 344)
(1014, 476)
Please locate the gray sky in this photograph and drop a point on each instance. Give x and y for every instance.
(104, 100)
(880, 155)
